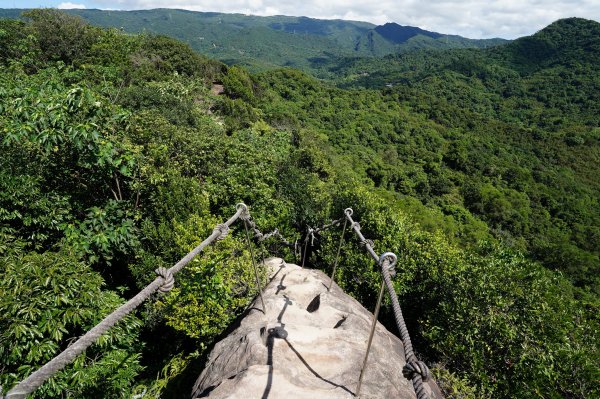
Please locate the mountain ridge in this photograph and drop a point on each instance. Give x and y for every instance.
(261, 43)
(399, 34)
(569, 42)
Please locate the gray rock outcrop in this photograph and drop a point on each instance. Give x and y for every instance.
(310, 343)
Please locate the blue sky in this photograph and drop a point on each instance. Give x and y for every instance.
(471, 18)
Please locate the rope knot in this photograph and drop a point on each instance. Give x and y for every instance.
(366, 242)
(245, 215)
(222, 229)
(169, 280)
(416, 367)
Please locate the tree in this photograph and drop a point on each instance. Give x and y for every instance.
(61, 36)
(53, 299)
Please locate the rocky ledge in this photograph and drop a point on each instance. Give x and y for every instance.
(310, 343)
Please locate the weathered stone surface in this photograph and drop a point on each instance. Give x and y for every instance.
(309, 344)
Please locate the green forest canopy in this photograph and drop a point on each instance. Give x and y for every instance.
(479, 168)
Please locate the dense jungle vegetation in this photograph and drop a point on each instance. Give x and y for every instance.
(479, 168)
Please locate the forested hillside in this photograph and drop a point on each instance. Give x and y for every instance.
(260, 43)
(520, 130)
(478, 168)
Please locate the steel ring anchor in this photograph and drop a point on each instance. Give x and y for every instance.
(393, 262)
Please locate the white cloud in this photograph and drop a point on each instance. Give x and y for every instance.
(67, 6)
(470, 18)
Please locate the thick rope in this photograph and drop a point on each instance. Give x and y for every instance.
(312, 233)
(222, 229)
(269, 235)
(260, 236)
(367, 244)
(414, 369)
(328, 226)
(418, 367)
(169, 280)
(164, 282)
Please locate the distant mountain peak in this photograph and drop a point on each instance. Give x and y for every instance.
(396, 33)
(570, 28)
(572, 21)
(567, 41)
